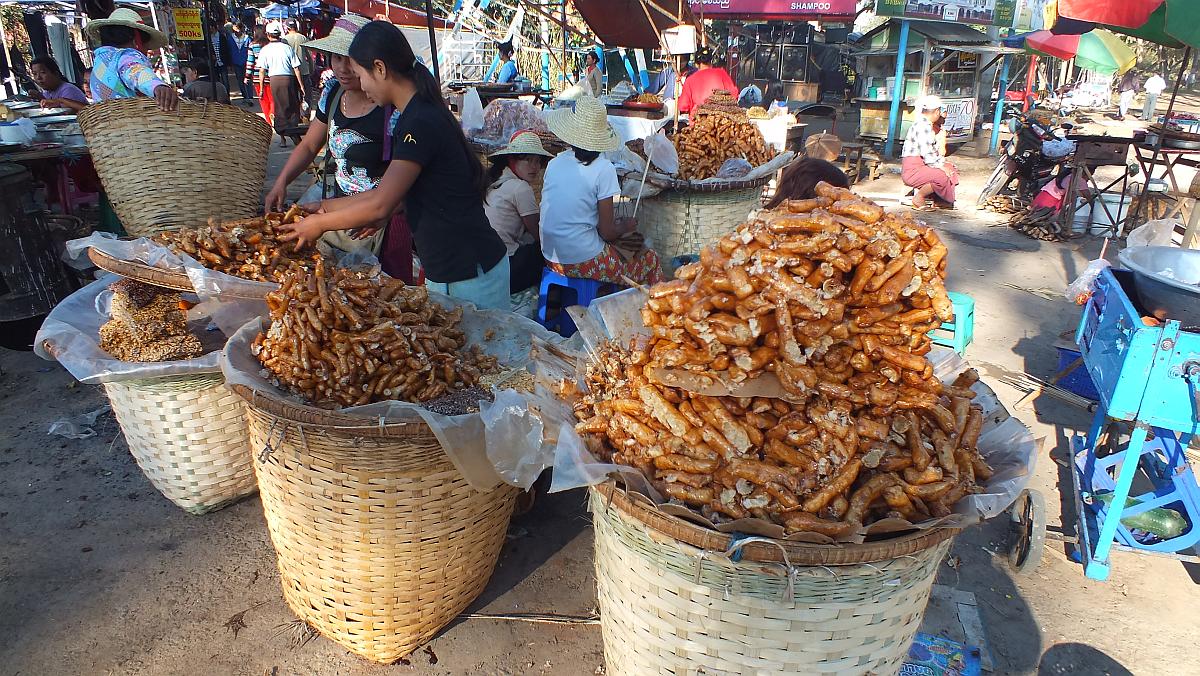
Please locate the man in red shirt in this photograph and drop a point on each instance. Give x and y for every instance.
(700, 85)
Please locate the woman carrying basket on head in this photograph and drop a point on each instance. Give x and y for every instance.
(581, 235)
(354, 128)
(433, 172)
(120, 67)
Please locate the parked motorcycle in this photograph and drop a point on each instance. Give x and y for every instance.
(1034, 155)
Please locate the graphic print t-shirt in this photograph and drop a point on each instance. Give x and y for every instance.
(356, 144)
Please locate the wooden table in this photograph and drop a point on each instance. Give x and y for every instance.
(1168, 159)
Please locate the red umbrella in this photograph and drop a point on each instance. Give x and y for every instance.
(1127, 13)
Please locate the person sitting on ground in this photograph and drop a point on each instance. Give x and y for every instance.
(200, 85)
(923, 167)
(507, 72)
(798, 180)
(512, 208)
(120, 68)
(55, 91)
(581, 235)
(700, 85)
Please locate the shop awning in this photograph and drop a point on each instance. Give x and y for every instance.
(776, 10)
(633, 23)
(946, 33)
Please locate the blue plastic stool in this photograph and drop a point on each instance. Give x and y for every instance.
(959, 333)
(559, 292)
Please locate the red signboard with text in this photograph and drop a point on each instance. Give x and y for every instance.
(795, 10)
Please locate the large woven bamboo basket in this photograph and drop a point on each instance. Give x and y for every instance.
(189, 436)
(164, 171)
(682, 220)
(381, 541)
(669, 607)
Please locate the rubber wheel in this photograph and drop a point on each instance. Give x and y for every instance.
(1028, 536)
(994, 184)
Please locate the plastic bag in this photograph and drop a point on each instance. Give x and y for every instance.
(1080, 290)
(1005, 443)
(734, 167)
(79, 426)
(1158, 232)
(484, 457)
(472, 112)
(503, 117)
(71, 336)
(662, 152)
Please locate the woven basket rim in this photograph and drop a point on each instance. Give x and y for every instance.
(798, 553)
(719, 186)
(303, 414)
(147, 274)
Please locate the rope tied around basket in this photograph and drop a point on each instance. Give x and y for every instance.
(265, 454)
(733, 554)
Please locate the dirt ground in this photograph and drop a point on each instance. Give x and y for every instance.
(99, 574)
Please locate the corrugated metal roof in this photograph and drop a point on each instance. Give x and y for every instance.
(948, 33)
(937, 31)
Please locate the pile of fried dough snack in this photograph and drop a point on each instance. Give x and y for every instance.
(249, 249)
(715, 136)
(833, 299)
(345, 338)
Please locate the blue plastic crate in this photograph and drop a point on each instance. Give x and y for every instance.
(959, 332)
(1078, 380)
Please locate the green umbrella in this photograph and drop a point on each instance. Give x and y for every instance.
(1172, 23)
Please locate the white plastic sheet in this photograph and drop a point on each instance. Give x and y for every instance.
(1005, 443)
(71, 336)
(489, 447)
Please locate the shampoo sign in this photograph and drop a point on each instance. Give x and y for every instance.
(774, 9)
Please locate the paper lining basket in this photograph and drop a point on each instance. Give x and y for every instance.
(188, 434)
(683, 220)
(164, 171)
(381, 541)
(669, 607)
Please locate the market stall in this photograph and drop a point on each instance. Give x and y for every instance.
(941, 58)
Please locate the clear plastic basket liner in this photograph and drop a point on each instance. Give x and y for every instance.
(71, 336)
(1005, 442)
(489, 447)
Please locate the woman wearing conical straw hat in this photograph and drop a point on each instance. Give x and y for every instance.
(581, 235)
(120, 68)
(433, 173)
(354, 127)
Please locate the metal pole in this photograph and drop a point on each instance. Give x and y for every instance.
(998, 116)
(563, 16)
(1029, 80)
(205, 30)
(433, 51)
(897, 95)
(12, 73)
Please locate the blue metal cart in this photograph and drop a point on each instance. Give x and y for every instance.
(1148, 377)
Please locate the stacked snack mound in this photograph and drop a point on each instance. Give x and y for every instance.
(250, 249)
(719, 131)
(344, 339)
(148, 325)
(820, 309)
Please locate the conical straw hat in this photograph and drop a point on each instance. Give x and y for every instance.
(585, 125)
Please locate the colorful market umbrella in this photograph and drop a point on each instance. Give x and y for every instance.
(1098, 50)
(1173, 23)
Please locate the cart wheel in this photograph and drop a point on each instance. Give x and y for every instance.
(1028, 537)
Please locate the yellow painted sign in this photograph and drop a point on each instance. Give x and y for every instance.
(187, 24)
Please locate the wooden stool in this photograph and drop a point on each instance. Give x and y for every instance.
(852, 156)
